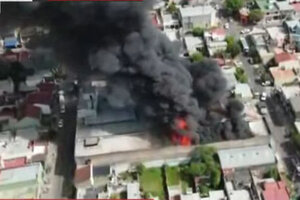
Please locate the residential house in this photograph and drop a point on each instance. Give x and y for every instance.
(215, 41)
(296, 106)
(243, 91)
(169, 22)
(286, 60)
(21, 182)
(90, 180)
(275, 191)
(193, 44)
(218, 34)
(296, 6)
(197, 16)
(290, 91)
(282, 76)
(247, 157)
(215, 195)
(230, 78)
(293, 29)
(275, 12)
(20, 149)
(6, 86)
(192, 196)
(234, 194)
(277, 35)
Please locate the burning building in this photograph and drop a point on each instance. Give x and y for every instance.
(117, 40)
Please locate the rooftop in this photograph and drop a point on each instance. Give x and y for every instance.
(243, 90)
(246, 157)
(20, 174)
(196, 11)
(290, 91)
(284, 56)
(284, 6)
(193, 43)
(218, 31)
(295, 103)
(281, 75)
(275, 191)
(296, 7)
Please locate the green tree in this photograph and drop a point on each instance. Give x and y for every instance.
(197, 57)
(140, 168)
(198, 32)
(172, 8)
(233, 47)
(204, 190)
(272, 173)
(215, 177)
(197, 169)
(255, 15)
(233, 6)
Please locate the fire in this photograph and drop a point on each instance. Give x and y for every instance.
(179, 135)
(181, 124)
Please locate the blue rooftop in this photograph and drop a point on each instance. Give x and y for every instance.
(11, 42)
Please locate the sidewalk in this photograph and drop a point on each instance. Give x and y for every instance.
(52, 184)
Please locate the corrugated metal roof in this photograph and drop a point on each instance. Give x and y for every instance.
(246, 157)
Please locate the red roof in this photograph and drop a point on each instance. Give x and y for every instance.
(20, 56)
(275, 191)
(284, 56)
(17, 162)
(8, 112)
(82, 174)
(46, 87)
(41, 97)
(32, 111)
(296, 7)
(218, 31)
(220, 61)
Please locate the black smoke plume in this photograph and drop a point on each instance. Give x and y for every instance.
(117, 41)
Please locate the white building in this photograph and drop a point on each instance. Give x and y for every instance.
(193, 44)
(198, 16)
(243, 91)
(246, 157)
(236, 194)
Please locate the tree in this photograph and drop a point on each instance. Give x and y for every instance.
(215, 177)
(233, 48)
(272, 173)
(204, 190)
(140, 168)
(197, 169)
(255, 15)
(197, 57)
(172, 8)
(198, 32)
(233, 6)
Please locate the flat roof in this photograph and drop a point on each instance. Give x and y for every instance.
(20, 174)
(295, 103)
(196, 11)
(133, 191)
(246, 157)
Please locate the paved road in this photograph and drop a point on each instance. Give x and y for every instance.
(167, 152)
(66, 165)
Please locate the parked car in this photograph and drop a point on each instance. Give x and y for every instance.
(226, 25)
(263, 96)
(60, 123)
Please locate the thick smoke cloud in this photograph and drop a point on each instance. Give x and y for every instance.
(117, 40)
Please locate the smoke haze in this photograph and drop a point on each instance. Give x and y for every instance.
(118, 41)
